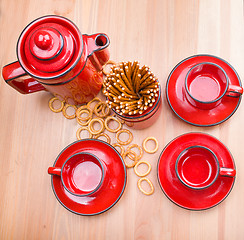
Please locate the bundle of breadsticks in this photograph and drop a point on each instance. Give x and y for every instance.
(130, 89)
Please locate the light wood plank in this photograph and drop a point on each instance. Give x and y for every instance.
(158, 33)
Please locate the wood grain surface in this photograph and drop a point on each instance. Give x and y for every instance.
(158, 33)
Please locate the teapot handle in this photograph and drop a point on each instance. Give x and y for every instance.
(97, 49)
(16, 77)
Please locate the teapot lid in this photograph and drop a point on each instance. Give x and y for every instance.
(49, 47)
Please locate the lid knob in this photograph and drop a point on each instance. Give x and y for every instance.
(49, 46)
(46, 43)
(43, 39)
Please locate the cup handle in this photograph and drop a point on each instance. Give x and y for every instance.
(16, 77)
(234, 91)
(97, 49)
(227, 172)
(54, 171)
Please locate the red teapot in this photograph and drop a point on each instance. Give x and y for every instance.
(53, 55)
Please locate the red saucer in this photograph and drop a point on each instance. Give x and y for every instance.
(114, 180)
(175, 93)
(186, 197)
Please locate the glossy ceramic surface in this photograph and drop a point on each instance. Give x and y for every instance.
(206, 82)
(197, 167)
(182, 195)
(53, 55)
(176, 93)
(113, 184)
(82, 174)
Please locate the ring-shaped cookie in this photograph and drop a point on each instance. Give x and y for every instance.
(99, 107)
(99, 111)
(134, 145)
(144, 144)
(122, 150)
(110, 118)
(82, 129)
(91, 128)
(124, 131)
(110, 62)
(66, 106)
(83, 123)
(104, 135)
(96, 99)
(50, 103)
(142, 174)
(105, 110)
(84, 109)
(150, 184)
(134, 161)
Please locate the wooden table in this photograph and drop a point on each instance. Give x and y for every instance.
(158, 34)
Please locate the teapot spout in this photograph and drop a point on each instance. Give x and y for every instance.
(97, 49)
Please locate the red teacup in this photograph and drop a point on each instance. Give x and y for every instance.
(82, 174)
(207, 83)
(197, 167)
